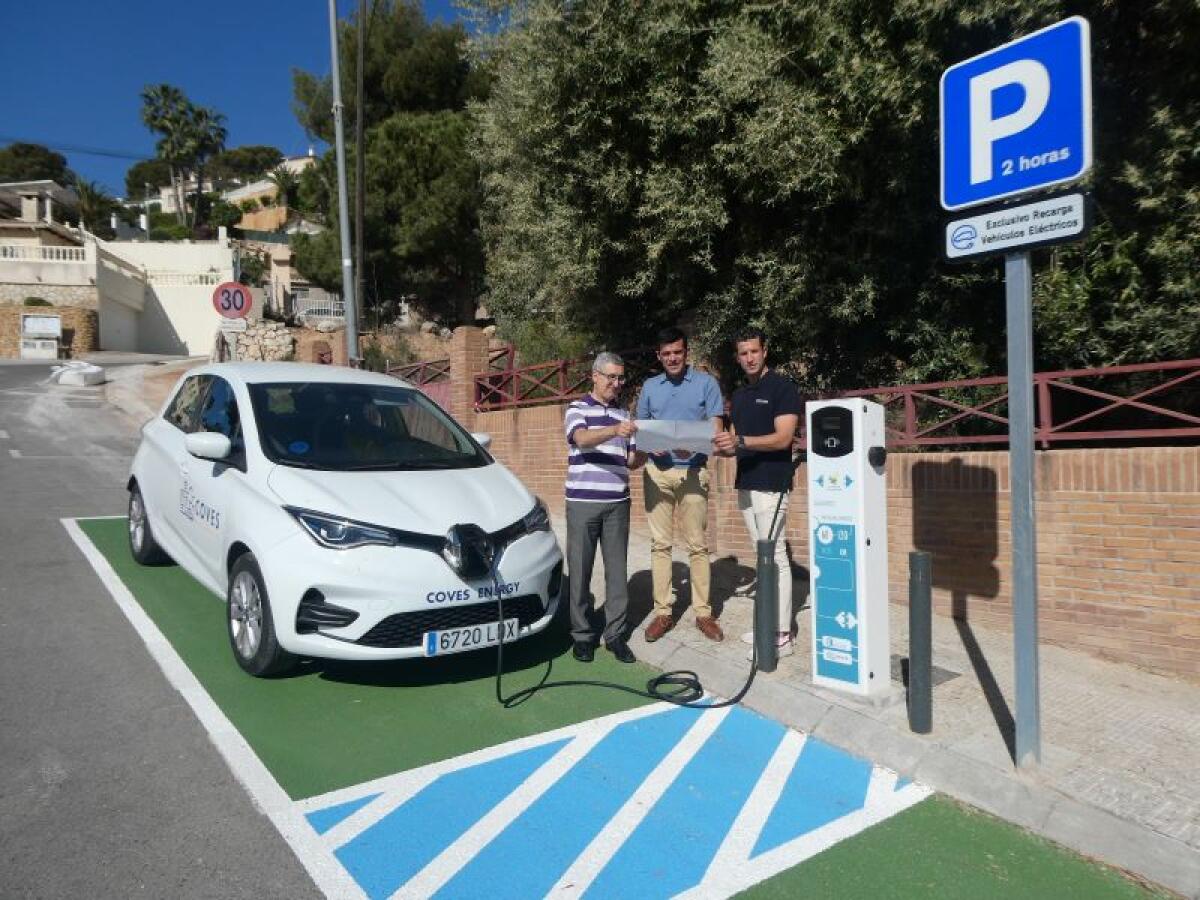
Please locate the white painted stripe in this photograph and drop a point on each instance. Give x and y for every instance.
(264, 790)
(3, 435)
(734, 879)
(362, 819)
(446, 864)
(746, 828)
(15, 454)
(579, 877)
(882, 786)
(427, 773)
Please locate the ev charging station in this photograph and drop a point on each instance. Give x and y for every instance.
(847, 528)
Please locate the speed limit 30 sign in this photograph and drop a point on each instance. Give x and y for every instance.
(232, 300)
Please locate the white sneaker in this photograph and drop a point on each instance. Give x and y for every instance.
(786, 647)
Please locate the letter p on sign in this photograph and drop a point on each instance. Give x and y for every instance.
(1017, 118)
(985, 130)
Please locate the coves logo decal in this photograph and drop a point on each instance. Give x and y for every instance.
(193, 508)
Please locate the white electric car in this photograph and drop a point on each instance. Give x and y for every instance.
(342, 514)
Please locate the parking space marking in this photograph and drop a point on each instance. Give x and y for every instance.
(582, 810)
(3, 435)
(329, 876)
(15, 454)
(737, 797)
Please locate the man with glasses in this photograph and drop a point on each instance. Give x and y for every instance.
(679, 480)
(600, 438)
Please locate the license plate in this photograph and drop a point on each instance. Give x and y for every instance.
(456, 640)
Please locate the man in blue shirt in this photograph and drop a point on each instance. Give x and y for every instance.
(679, 480)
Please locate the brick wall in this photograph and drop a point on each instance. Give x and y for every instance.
(1118, 534)
(80, 328)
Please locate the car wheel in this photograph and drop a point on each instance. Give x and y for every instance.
(251, 626)
(142, 545)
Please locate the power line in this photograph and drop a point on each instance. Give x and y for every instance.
(75, 148)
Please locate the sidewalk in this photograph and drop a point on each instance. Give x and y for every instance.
(1120, 773)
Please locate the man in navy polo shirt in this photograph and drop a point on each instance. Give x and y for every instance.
(765, 413)
(679, 480)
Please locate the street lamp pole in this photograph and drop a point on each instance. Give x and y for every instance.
(343, 209)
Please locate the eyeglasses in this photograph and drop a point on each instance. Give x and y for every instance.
(611, 378)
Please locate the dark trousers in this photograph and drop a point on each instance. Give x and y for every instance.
(607, 524)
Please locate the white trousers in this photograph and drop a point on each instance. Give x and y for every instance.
(758, 509)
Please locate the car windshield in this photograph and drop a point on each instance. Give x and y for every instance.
(358, 427)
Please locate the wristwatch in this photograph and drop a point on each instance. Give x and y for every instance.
(741, 442)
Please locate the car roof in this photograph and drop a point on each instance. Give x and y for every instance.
(274, 372)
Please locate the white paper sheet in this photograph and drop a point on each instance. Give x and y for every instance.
(655, 435)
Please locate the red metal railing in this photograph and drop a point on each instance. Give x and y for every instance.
(1132, 402)
(1151, 400)
(551, 382)
(429, 371)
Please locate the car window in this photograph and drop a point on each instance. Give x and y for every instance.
(345, 426)
(219, 412)
(184, 410)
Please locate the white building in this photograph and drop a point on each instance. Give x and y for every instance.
(153, 297)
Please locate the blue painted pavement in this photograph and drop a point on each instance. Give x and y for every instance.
(747, 790)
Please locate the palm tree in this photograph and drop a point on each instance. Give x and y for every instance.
(207, 138)
(286, 185)
(96, 205)
(166, 111)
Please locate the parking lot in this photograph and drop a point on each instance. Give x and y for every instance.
(145, 750)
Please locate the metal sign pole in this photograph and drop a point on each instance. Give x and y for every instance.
(1018, 289)
(343, 211)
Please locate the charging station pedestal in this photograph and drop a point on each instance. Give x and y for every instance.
(847, 561)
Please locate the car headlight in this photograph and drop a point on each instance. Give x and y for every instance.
(339, 533)
(537, 519)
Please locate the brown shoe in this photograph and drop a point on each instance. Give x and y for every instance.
(660, 626)
(710, 629)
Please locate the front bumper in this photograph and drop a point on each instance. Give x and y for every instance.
(396, 594)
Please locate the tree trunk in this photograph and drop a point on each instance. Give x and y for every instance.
(177, 190)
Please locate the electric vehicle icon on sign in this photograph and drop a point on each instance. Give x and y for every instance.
(342, 514)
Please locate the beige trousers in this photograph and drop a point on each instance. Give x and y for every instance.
(685, 489)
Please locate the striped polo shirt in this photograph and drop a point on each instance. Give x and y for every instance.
(598, 474)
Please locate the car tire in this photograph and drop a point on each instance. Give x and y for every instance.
(250, 625)
(142, 545)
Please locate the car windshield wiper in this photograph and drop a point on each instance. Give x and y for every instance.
(300, 464)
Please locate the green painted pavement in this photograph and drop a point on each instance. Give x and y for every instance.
(942, 849)
(335, 724)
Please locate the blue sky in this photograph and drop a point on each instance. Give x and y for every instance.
(71, 72)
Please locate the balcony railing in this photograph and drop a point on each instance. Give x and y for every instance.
(173, 277)
(42, 253)
(324, 306)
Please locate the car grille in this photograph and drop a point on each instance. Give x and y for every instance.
(406, 629)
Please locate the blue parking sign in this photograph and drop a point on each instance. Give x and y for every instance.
(1017, 118)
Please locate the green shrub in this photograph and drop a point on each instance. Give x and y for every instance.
(373, 358)
(37, 301)
(170, 233)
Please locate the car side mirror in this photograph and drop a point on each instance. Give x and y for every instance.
(208, 445)
(482, 438)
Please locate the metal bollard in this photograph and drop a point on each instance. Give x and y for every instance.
(920, 656)
(766, 608)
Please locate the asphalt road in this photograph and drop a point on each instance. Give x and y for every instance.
(109, 786)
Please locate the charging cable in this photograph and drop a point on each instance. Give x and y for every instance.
(681, 687)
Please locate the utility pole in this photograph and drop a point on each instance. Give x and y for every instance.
(343, 211)
(360, 166)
